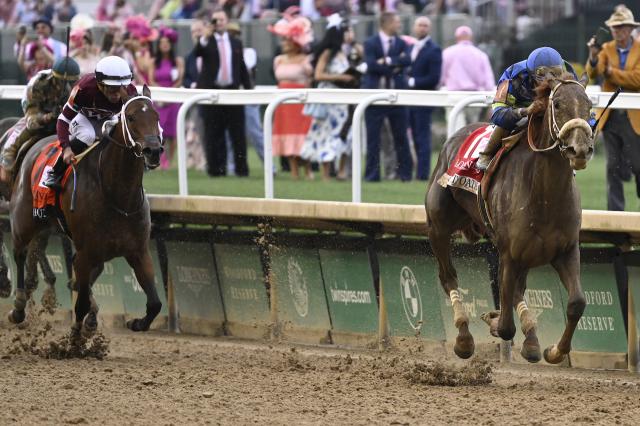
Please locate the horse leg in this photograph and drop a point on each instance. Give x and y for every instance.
(441, 245)
(143, 268)
(49, 298)
(5, 281)
(530, 347)
(17, 315)
(568, 267)
(510, 275)
(91, 320)
(82, 270)
(31, 268)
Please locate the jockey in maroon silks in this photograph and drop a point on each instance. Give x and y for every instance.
(95, 99)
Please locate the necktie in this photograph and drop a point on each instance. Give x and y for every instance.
(224, 71)
(389, 79)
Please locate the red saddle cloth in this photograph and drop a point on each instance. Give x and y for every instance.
(44, 198)
(462, 172)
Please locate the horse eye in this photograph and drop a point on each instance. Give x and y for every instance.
(130, 118)
(556, 104)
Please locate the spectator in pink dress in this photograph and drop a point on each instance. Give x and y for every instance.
(466, 68)
(167, 70)
(293, 70)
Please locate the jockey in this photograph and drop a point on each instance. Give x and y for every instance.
(45, 94)
(95, 99)
(515, 94)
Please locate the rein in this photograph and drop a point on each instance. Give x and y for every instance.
(557, 133)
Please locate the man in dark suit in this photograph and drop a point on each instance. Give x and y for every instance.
(387, 57)
(223, 68)
(424, 74)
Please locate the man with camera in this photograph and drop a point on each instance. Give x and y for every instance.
(223, 68)
(617, 62)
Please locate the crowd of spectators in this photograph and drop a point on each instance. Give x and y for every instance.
(302, 136)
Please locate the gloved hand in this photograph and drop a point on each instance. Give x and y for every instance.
(68, 156)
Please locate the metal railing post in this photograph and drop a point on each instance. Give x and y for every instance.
(268, 136)
(459, 107)
(358, 132)
(181, 135)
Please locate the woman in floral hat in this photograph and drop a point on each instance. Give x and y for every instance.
(292, 70)
(167, 70)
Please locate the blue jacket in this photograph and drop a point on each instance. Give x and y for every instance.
(190, 70)
(376, 75)
(427, 67)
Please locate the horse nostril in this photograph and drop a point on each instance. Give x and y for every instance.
(590, 150)
(571, 151)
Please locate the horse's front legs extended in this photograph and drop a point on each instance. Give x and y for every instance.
(568, 267)
(143, 268)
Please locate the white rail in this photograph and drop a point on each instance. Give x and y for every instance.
(267, 96)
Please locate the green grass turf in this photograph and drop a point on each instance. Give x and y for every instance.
(591, 182)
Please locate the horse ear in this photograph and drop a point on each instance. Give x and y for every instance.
(584, 79)
(146, 92)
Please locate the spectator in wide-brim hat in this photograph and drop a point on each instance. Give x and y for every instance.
(618, 63)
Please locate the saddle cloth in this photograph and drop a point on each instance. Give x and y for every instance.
(44, 198)
(462, 172)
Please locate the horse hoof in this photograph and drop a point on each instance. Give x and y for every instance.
(464, 346)
(49, 299)
(137, 324)
(552, 355)
(16, 316)
(531, 354)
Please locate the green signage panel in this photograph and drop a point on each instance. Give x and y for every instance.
(242, 284)
(195, 281)
(300, 294)
(601, 328)
(55, 257)
(349, 287)
(634, 290)
(474, 287)
(412, 294)
(546, 303)
(134, 298)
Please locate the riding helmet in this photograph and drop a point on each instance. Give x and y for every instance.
(113, 71)
(544, 57)
(66, 69)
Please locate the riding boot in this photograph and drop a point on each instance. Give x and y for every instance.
(54, 178)
(494, 144)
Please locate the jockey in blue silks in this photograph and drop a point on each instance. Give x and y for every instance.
(515, 94)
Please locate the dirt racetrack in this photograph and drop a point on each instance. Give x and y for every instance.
(163, 379)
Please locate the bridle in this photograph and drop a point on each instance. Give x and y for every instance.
(129, 141)
(558, 133)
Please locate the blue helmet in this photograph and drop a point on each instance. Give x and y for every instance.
(544, 57)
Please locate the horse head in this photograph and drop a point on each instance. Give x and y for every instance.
(141, 129)
(567, 112)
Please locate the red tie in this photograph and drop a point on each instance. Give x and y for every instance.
(224, 71)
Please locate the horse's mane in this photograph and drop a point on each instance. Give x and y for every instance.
(542, 92)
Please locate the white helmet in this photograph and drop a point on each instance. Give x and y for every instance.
(113, 71)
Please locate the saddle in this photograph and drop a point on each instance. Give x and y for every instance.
(462, 172)
(45, 200)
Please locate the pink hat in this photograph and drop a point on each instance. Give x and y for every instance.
(298, 30)
(139, 28)
(463, 31)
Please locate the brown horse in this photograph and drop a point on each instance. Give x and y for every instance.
(534, 206)
(36, 254)
(111, 217)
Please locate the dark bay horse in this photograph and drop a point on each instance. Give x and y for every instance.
(36, 254)
(111, 217)
(534, 206)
